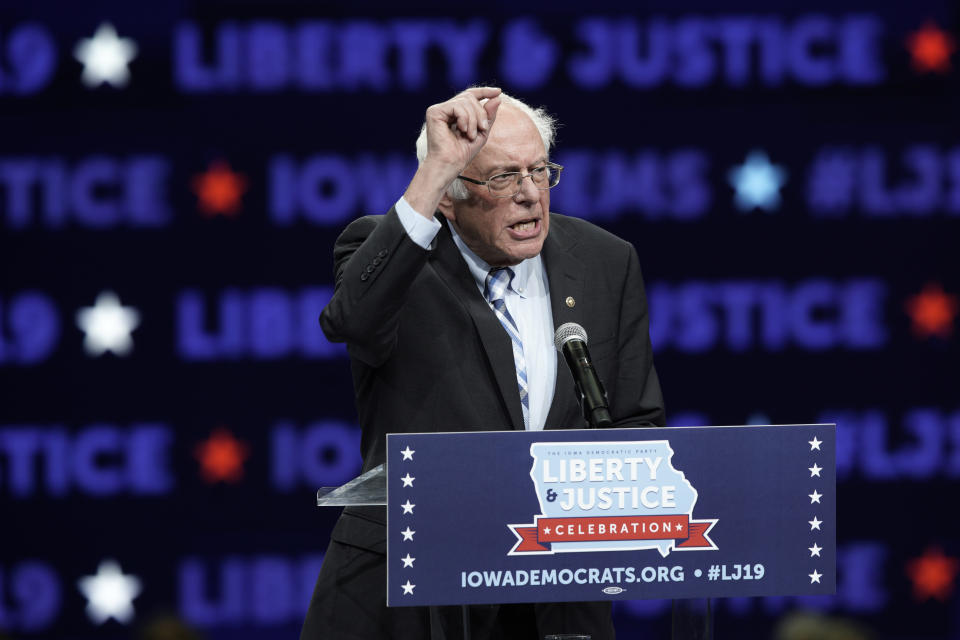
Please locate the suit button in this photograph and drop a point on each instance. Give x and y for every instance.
(383, 253)
(377, 260)
(364, 276)
(369, 268)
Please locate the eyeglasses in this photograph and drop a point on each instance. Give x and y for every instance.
(507, 185)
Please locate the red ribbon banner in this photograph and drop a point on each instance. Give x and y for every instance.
(675, 527)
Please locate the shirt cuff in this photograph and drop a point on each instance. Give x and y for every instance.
(421, 230)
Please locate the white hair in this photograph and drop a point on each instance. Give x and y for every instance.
(545, 123)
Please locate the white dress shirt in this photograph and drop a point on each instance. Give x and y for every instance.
(527, 299)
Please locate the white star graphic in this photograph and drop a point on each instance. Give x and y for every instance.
(815, 577)
(108, 325)
(407, 561)
(407, 507)
(815, 497)
(815, 524)
(105, 57)
(815, 470)
(407, 534)
(815, 443)
(757, 182)
(408, 453)
(408, 588)
(408, 480)
(109, 593)
(815, 550)
(546, 530)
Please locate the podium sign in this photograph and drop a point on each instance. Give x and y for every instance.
(602, 514)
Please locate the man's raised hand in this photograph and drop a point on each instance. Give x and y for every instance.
(458, 128)
(456, 131)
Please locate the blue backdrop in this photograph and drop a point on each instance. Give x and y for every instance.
(172, 179)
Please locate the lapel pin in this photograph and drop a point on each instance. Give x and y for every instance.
(571, 302)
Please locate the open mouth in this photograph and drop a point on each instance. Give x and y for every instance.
(525, 230)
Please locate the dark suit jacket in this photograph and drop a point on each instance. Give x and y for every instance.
(428, 353)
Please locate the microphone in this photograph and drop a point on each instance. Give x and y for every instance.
(570, 339)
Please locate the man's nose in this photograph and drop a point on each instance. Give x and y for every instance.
(528, 191)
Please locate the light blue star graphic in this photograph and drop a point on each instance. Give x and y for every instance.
(757, 182)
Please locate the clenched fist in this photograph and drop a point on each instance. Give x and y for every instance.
(456, 131)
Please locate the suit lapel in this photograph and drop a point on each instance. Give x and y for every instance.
(451, 268)
(565, 274)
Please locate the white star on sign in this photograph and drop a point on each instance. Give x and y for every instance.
(815, 550)
(408, 480)
(105, 57)
(757, 182)
(109, 593)
(407, 588)
(108, 325)
(814, 444)
(408, 561)
(815, 497)
(814, 577)
(815, 524)
(407, 507)
(408, 453)
(407, 534)
(815, 470)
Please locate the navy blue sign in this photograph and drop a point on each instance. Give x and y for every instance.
(496, 517)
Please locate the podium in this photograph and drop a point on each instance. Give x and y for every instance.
(686, 514)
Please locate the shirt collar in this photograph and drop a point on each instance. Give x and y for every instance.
(522, 273)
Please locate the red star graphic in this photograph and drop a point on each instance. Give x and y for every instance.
(221, 457)
(933, 312)
(219, 190)
(933, 574)
(931, 48)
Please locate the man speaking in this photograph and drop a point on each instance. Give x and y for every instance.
(448, 305)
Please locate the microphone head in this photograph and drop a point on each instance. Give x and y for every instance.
(568, 331)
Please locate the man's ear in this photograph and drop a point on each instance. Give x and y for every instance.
(446, 207)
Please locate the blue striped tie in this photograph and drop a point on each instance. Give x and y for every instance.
(498, 279)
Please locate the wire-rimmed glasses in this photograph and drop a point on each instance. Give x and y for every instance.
(507, 185)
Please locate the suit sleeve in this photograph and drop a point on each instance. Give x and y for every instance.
(375, 264)
(638, 401)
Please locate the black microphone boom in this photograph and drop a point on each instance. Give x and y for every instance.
(571, 340)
